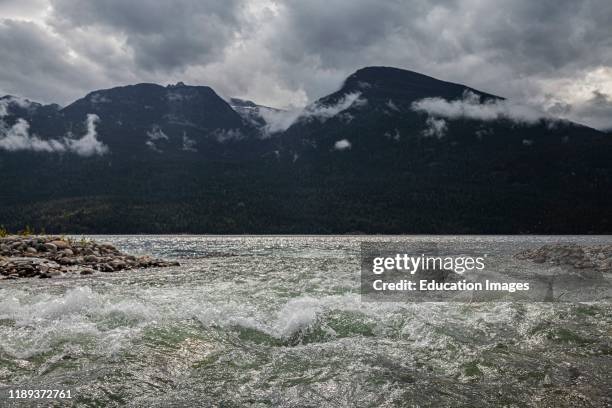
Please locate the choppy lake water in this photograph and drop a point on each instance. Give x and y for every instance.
(278, 321)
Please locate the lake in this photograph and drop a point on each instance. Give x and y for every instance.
(279, 321)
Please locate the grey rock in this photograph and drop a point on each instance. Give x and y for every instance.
(91, 259)
(50, 247)
(118, 264)
(60, 244)
(47, 256)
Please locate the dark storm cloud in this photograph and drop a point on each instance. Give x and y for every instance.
(338, 29)
(36, 64)
(542, 35)
(289, 52)
(526, 37)
(161, 34)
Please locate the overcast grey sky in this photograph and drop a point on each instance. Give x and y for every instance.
(556, 54)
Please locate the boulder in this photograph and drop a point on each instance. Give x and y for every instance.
(60, 244)
(68, 261)
(104, 267)
(47, 257)
(118, 264)
(51, 247)
(91, 259)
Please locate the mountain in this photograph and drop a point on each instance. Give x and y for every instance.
(475, 163)
(45, 117)
(149, 118)
(391, 151)
(254, 114)
(378, 103)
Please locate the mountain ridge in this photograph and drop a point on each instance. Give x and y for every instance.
(355, 82)
(391, 151)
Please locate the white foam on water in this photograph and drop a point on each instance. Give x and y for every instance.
(42, 322)
(296, 315)
(110, 320)
(113, 320)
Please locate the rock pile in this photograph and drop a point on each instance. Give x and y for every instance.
(597, 257)
(48, 256)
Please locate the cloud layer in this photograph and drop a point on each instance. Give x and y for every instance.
(18, 138)
(287, 53)
(88, 145)
(471, 107)
(280, 120)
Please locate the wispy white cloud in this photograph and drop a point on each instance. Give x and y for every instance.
(278, 121)
(471, 107)
(324, 112)
(18, 138)
(88, 145)
(435, 128)
(284, 53)
(6, 102)
(342, 145)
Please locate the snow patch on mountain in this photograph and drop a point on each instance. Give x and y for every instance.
(395, 135)
(155, 135)
(189, 145)
(99, 98)
(226, 135)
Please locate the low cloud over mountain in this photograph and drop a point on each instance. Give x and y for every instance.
(472, 107)
(288, 53)
(390, 151)
(17, 137)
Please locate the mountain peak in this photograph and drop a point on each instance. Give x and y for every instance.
(405, 83)
(25, 108)
(378, 71)
(244, 103)
(17, 100)
(179, 84)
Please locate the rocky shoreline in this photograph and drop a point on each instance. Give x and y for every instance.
(51, 256)
(596, 257)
